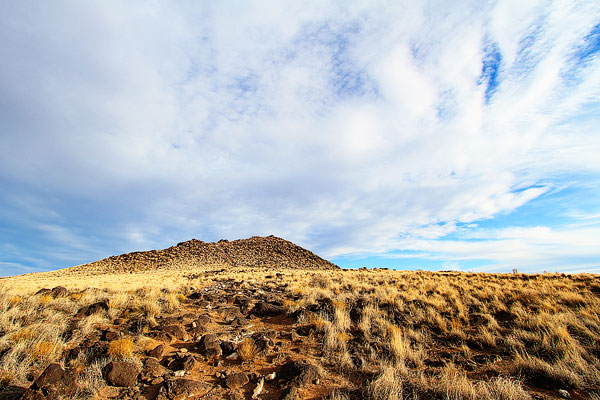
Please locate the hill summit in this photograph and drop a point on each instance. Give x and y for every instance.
(257, 251)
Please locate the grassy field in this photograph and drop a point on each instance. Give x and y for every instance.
(380, 334)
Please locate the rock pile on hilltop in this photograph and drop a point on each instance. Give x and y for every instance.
(257, 251)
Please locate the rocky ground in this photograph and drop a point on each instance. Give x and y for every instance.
(162, 325)
(225, 342)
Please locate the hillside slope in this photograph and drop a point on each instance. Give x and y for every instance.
(254, 252)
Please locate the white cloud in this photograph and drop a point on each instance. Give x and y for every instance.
(528, 249)
(342, 128)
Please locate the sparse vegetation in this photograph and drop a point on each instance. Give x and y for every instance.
(121, 348)
(409, 335)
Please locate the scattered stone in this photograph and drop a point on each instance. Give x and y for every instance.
(110, 335)
(152, 370)
(271, 376)
(59, 291)
(291, 393)
(186, 363)
(179, 389)
(211, 345)
(258, 389)
(236, 380)
(299, 373)
(295, 337)
(227, 347)
(262, 342)
(564, 393)
(121, 373)
(157, 352)
(92, 309)
(54, 383)
(179, 373)
(233, 356)
(262, 309)
(174, 331)
(240, 321)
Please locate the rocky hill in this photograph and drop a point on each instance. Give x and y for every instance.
(257, 251)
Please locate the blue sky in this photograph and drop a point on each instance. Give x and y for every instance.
(376, 133)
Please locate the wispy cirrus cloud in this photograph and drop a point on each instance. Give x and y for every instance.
(347, 129)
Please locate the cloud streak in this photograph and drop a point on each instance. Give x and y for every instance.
(346, 129)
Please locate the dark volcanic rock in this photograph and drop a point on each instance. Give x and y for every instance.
(157, 352)
(186, 363)
(262, 342)
(92, 309)
(240, 322)
(174, 331)
(211, 345)
(237, 380)
(255, 252)
(121, 373)
(299, 373)
(54, 383)
(59, 291)
(152, 369)
(262, 309)
(179, 389)
(227, 347)
(291, 393)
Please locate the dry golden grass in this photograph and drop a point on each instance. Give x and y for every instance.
(408, 334)
(121, 348)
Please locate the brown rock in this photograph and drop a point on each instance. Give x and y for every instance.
(121, 373)
(262, 309)
(111, 335)
(92, 309)
(237, 380)
(157, 352)
(152, 369)
(185, 363)
(299, 373)
(240, 321)
(295, 337)
(55, 382)
(227, 347)
(211, 345)
(174, 331)
(59, 291)
(43, 291)
(179, 389)
(291, 393)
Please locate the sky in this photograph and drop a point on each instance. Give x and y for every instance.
(401, 134)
